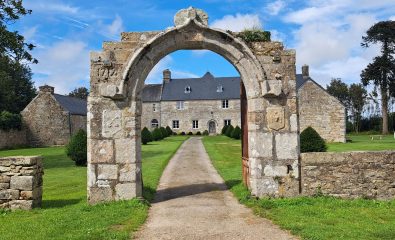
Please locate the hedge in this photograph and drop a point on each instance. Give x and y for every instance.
(10, 121)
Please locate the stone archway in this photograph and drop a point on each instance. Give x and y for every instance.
(118, 73)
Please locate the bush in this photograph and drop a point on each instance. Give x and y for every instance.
(205, 133)
(311, 141)
(10, 121)
(157, 134)
(198, 133)
(223, 131)
(190, 133)
(182, 133)
(236, 132)
(164, 132)
(169, 131)
(77, 148)
(229, 131)
(254, 35)
(146, 136)
(174, 133)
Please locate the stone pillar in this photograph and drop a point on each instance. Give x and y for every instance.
(21, 182)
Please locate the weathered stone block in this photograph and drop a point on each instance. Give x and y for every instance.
(128, 173)
(107, 172)
(9, 194)
(274, 171)
(112, 123)
(287, 146)
(124, 150)
(22, 182)
(21, 204)
(102, 151)
(260, 144)
(4, 186)
(5, 179)
(100, 194)
(125, 191)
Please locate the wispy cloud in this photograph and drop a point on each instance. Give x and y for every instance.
(275, 7)
(112, 30)
(237, 22)
(51, 6)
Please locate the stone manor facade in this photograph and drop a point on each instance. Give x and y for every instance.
(209, 103)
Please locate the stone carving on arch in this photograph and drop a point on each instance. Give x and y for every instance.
(114, 105)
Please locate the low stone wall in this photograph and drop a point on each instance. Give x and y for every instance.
(20, 182)
(349, 174)
(12, 138)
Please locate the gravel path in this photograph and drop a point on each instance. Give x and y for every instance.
(192, 202)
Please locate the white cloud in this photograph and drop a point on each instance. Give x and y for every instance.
(237, 23)
(392, 18)
(112, 30)
(64, 65)
(29, 33)
(275, 8)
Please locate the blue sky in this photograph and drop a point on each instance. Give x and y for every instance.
(325, 33)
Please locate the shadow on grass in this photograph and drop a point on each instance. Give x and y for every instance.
(59, 203)
(233, 182)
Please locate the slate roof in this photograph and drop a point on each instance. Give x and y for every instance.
(204, 88)
(152, 93)
(75, 106)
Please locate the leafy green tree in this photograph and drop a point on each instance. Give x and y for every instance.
(223, 131)
(157, 134)
(77, 148)
(81, 92)
(229, 131)
(169, 131)
(146, 136)
(16, 87)
(358, 97)
(164, 132)
(381, 72)
(311, 141)
(236, 132)
(339, 90)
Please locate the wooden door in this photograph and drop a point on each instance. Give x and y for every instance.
(244, 132)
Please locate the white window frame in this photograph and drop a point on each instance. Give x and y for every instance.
(195, 124)
(154, 125)
(176, 124)
(227, 122)
(225, 104)
(220, 88)
(180, 105)
(187, 89)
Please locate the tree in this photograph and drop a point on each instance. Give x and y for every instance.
(81, 92)
(229, 131)
(164, 132)
(339, 90)
(236, 132)
(77, 148)
(381, 72)
(146, 136)
(358, 97)
(16, 87)
(169, 131)
(157, 135)
(311, 141)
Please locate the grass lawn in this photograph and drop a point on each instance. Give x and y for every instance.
(363, 142)
(308, 217)
(65, 213)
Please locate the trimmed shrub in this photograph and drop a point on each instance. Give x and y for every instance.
(236, 132)
(164, 132)
(146, 136)
(198, 133)
(157, 134)
(229, 131)
(190, 133)
(76, 149)
(182, 133)
(169, 131)
(174, 133)
(311, 141)
(10, 121)
(205, 133)
(223, 131)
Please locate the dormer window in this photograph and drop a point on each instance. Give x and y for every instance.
(187, 89)
(220, 88)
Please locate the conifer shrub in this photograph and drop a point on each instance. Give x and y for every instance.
(182, 133)
(157, 134)
(205, 133)
(164, 132)
(190, 133)
(76, 149)
(311, 141)
(198, 133)
(236, 133)
(146, 136)
(229, 131)
(10, 121)
(169, 131)
(223, 131)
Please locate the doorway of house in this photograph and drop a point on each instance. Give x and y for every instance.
(211, 128)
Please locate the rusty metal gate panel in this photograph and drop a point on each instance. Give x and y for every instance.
(244, 138)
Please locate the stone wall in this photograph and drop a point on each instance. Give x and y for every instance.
(46, 122)
(21, 182)
(77, 122)
(349, 174)
(12, 138)
(148, 114)
(323, 112)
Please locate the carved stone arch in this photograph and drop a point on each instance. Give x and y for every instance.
(114, 106)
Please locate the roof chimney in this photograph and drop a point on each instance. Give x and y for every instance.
(305, 71)
(47, 89)
(166, 76)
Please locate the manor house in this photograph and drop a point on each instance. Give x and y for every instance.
(209, 103)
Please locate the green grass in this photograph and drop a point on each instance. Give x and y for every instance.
(65, 213)
(308, 217)
(363, 142)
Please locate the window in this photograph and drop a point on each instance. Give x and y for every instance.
(154, 107)
(180, 105)
(176, 124)
(154, 123)
(187, 89)
(227, 122)
(225, 104)
(195, 124)
(220, 88)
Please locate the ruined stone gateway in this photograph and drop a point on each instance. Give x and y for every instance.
(269, 112)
